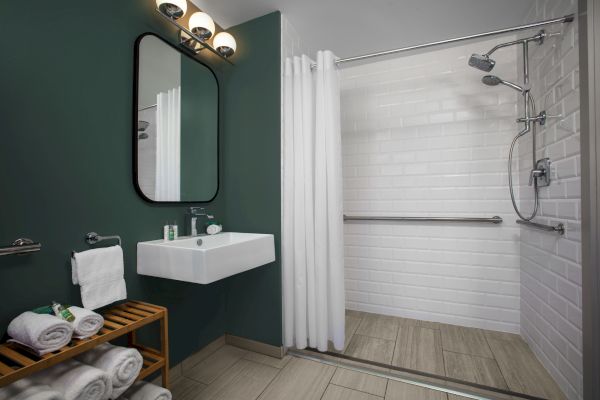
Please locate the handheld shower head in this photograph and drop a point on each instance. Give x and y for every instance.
(493, 80)
(482, 62)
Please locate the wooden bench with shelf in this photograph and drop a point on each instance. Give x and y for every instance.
(17, 362)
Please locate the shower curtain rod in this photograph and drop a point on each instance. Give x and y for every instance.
(565, 19)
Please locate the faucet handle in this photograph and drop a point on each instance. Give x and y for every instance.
(195, 210)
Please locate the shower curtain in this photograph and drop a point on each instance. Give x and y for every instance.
(168, 142)
(312, 237)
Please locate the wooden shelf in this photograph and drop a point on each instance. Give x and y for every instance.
(18, 361)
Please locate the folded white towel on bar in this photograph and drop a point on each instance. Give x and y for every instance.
(122, 364)
(146, 391)
(76, 381)
(43, 333)
(87, 323)
(99, 273)
(26, 389)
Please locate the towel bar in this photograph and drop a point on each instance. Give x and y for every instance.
(93, 238)
(21, 246)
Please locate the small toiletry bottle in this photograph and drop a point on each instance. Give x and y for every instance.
(171, 232)
(213, 227)
(62, 312)
(166, 232)
(175, 231)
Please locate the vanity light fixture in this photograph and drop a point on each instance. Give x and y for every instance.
(225, 44)
(201, 28)
(173, 8)
(202, 25)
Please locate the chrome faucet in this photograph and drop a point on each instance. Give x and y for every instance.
(196, 212)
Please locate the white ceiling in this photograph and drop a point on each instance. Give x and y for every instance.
(352, 27)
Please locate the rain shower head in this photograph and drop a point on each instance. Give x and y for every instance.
(482, 62)
(493, 80)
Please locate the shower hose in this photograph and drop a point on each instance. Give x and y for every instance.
(531, 103)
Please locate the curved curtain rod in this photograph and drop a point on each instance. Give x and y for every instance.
(565, 19)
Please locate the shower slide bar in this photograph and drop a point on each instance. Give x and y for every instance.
(560, 228)
(494, 220)
(561, 20)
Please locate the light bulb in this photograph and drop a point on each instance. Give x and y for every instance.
(172, 8)
(225, 44)
(202, 25)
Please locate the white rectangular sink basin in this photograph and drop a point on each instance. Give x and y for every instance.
(205, 259)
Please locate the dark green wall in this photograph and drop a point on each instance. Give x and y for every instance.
(66, 162)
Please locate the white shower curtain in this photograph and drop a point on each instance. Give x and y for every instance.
(312, 238)
(168, 143)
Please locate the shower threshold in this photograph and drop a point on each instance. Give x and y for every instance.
(459, 389)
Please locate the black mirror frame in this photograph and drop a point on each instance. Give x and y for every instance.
(136, 66)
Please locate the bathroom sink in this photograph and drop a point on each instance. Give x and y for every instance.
(205, 259)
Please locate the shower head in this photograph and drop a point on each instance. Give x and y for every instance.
(143, 136)
(482, 62)
(142, 126)
(493, 80)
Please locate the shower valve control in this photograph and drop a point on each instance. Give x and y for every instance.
(541, 173)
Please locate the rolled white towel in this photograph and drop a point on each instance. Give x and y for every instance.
(76, 381)
(43, 333)
(122, 364)
(146, 391)
(87, 323)
(26, 389)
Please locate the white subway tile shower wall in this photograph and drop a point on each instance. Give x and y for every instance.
(550, 264)
(423, 136)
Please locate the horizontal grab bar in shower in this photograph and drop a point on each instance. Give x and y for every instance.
(21, 246)
(494, 220)
(560, 228)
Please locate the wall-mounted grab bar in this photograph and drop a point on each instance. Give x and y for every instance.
(494, 220)
(21, 246)
(93, 238)
(560, 228)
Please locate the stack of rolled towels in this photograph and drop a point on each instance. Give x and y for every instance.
(105, 372)
(45, 333)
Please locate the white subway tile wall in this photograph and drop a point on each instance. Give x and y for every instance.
(423, 136)
(550, 264)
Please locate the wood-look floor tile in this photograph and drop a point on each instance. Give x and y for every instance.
(300, 380)
(335, 392)
(403, 391)
(245, 380)
(378, 326)
(460, 339)
(419, 349)
(484, 371)
(354, 313)
(371, 349)
(267, 360)
(215, 364)
(193, 360)
(419, 323)
(184, 388)
(522, 370)
(371, 384)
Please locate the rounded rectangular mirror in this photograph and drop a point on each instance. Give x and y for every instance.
(176, 125)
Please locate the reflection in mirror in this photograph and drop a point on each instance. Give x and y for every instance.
(177, 125)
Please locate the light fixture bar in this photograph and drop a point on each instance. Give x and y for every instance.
(193, 37)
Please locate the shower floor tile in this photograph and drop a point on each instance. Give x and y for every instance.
(497, 359)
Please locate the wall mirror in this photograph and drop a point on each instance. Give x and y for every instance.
(176, 124)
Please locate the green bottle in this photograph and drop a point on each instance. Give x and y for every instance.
(62, 312)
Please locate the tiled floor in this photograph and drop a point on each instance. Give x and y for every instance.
(497, 359)
(230, 373)
(225, 372)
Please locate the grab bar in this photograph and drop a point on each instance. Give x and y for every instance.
(560, 228)
(21, 246)
(494, 220)
(93, 238)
